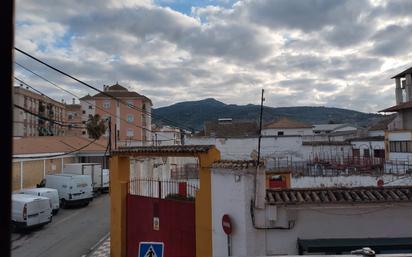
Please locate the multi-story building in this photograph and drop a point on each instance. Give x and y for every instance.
(130, 114)
(26, 124)
(74, 119)
(398, 137)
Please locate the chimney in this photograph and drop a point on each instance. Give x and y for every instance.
(74, 100)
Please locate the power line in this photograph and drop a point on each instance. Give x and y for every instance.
(46, 118)
(90, 103)
(100, 91)
(57, 155)
(41, 93)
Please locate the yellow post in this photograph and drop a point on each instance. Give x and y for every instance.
(204, 205)
(119, 177)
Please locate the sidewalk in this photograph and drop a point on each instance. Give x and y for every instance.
(102, 250)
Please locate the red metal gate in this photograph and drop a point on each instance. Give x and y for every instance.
(158, 212)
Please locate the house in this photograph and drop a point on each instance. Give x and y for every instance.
(74, 119)
(287, 127)
(398, 138)
(26, 124)
(130, 114)
(331, 220)
(323, 129)
(166, 135)
(35, 157)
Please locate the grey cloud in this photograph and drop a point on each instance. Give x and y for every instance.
(392, 40)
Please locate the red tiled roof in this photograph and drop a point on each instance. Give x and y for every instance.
(235, 164)
(401, 106)
(56, 144)
(360, 195)
(286, 123)
(163, 149)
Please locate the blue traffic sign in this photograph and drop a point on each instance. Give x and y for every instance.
(151, 249)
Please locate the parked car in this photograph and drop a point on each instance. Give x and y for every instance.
(73, 189)
(50, 193)
(30, 211)
(100, 177)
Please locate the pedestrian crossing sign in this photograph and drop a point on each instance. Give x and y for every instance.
(151, 249)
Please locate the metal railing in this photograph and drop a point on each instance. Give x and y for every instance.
(164, 189)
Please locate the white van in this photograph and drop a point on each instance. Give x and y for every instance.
(30, 210)
(106, 180)
(50, 193)
(98, 175)
(72, 188)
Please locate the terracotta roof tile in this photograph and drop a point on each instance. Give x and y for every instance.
(286, 123)
(360, 195)
(235, 164)
(163, 149)
(56, 144)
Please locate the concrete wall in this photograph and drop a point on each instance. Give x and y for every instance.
(28, 173)
(243, 148)
(348, 181)
(406, 119)
(288, 132)
(231, 195)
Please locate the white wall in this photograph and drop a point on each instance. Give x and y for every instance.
(232, 192)
(288, 131)
(348, 181)
(242, 148)
(376, 133)
(232, 196)
(344, 221)
(371, 145)
(400, 136)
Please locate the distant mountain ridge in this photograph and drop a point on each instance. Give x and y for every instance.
(193, 114)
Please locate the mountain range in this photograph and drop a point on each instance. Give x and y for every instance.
(193, 114)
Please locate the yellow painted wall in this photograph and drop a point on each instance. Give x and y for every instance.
(16, 176)
(33, 171)
(204, 247)
(119, 178)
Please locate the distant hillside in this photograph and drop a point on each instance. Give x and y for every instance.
(193, 114)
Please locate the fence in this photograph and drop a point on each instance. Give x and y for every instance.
(163, 189)
(329, 166)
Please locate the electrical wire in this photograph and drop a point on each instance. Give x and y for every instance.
(102, 92)
(46, 118)
(41, 93)
(57, 155)
(90, 103)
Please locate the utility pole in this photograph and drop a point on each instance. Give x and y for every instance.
(260, 126)
(110, 134)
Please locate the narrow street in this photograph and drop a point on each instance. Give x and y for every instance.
(71, 233)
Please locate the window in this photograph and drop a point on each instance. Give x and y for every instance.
(84, 112)
(280, 133)
(130, 118)
(130, 103)
(366, 153)
(356, 152)
(130, 132)
(83, 132)
(106, 104)
(400, 146)
(379, 153)
(69, 117)
(90, 107)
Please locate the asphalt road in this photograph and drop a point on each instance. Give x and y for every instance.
(72, 233)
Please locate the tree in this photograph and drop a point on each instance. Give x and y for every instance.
(95, 126)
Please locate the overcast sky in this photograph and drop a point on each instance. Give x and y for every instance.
(313, 52)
